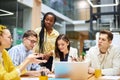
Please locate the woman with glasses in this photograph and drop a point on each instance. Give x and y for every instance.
(7, 69)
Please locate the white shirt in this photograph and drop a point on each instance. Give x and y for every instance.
(108, 62)
(73, 53)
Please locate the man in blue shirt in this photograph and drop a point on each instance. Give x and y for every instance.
(19, 52)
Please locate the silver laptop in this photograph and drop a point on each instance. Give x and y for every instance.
(72, 70)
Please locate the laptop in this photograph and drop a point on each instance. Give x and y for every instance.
(72, 70)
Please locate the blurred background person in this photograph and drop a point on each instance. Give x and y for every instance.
(7, 69)
(57, 5)
(47, 36)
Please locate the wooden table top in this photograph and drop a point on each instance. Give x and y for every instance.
(90, 77)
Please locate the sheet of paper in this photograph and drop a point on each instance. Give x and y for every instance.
(110, 78)
(30, 78)
(48, 79)
(51, 75)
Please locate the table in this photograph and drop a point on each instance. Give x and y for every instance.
(48, 79)
(52, 77)
(90, 77)
(105, 78)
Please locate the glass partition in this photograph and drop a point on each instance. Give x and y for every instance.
(73, 9)
(11, 15)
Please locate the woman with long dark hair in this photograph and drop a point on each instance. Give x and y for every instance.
(47, 36)
(63, 51)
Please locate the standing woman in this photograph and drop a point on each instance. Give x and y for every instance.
(7, 70)
(47, 36)
(63, 51)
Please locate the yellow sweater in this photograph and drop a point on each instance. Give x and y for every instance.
(7, 69)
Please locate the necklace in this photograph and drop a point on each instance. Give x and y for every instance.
(1, 59)
(0, 55)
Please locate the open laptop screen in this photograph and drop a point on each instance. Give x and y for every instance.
(73, 70)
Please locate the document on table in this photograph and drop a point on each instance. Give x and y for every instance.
(109, 78)
(30, 78)
(48, 79)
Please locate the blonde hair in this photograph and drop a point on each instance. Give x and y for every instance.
(2, 27)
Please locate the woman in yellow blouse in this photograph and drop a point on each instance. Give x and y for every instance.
(7, 70)
(47, 36)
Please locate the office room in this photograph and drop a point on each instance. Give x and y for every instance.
(88, 27)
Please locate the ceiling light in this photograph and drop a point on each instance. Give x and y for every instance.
(5, 13)
(103, 5)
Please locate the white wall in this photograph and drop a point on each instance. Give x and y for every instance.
(26, 2)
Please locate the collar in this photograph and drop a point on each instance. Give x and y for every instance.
(24, 48)
(107, 52)
(52, 32)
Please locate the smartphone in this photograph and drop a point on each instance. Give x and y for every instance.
(40, 58)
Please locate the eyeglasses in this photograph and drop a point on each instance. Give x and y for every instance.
(10, 37)
(32, 41)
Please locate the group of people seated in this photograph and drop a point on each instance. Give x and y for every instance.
(44, 45)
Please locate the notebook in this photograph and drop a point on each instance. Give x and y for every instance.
(72, 70)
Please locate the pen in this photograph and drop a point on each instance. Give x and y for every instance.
(73, 59)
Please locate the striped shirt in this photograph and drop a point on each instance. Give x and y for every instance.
(18, 54)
